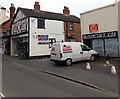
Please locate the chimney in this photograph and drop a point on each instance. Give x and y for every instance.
(66, 11)
(12, 11)
(36, 6)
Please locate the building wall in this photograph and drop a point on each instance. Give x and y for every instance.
(76, 31)
(6, 26)
(54, 29)
(3, 16)
(106, 18)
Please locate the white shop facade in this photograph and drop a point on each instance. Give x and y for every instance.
(33, 32)
(100, 30)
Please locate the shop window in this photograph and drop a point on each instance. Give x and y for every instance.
(71, 26)
(16, 47)
(41, 23)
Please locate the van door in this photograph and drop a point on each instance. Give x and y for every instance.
(76, 55)
(55, 51)
(85, 52)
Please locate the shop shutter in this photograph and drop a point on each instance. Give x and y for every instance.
(111, 47)
(98, 45)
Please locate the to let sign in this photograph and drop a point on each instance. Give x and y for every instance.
(93, 28)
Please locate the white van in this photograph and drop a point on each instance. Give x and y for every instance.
(69, 52)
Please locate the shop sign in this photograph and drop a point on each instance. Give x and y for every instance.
(20, 26)
(101, 35)
(42, 39)
(93, 28)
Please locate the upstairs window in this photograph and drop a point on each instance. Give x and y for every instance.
(71, 27)
(41, 23)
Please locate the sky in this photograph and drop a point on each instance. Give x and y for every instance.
(75, 6)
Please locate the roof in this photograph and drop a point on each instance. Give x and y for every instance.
(49, 15)
(6, 25)
(6, 22)
(98, 8)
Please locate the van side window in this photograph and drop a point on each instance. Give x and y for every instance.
(84, 48)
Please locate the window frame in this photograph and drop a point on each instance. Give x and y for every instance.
(39, 24)
(71, 28)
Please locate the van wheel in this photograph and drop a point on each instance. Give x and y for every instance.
(68, 62)
(93, 58)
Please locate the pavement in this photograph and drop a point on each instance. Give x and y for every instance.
(98, 76)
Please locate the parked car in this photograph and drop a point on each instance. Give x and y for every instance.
(69, 52)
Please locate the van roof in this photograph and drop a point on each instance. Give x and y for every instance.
(68, 42)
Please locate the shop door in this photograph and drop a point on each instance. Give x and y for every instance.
(98, 45)
(23, 48)
(111, 47)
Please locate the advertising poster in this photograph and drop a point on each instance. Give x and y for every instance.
(93, 28)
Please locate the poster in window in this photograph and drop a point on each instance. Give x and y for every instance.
(93, 28)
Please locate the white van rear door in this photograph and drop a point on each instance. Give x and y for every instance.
(55, 51)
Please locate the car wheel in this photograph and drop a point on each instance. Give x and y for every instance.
(93, 58)
(68, 62)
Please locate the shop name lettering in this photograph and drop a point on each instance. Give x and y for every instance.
(100, 35)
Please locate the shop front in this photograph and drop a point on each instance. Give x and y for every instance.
(20, 47)
(103, 43)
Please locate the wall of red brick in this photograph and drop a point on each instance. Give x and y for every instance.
(76, 31)
(6, 26)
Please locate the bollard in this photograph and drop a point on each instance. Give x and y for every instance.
(113, 70)
(107, 63)
(88, 66)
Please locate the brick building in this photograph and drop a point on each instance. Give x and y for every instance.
(6, 31)
(71, 29)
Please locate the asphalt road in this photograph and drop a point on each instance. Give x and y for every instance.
(21, 80)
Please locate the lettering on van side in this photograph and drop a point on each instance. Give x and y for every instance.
(67, 49)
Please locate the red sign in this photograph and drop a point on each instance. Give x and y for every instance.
(93, 27)
(67, 49)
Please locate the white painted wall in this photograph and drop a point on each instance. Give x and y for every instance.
(3, 16)
(53, 28)
(106, 18)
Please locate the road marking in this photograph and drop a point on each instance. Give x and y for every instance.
(2, 95)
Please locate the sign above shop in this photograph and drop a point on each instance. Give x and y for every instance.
(93, 28)
(101, 35)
